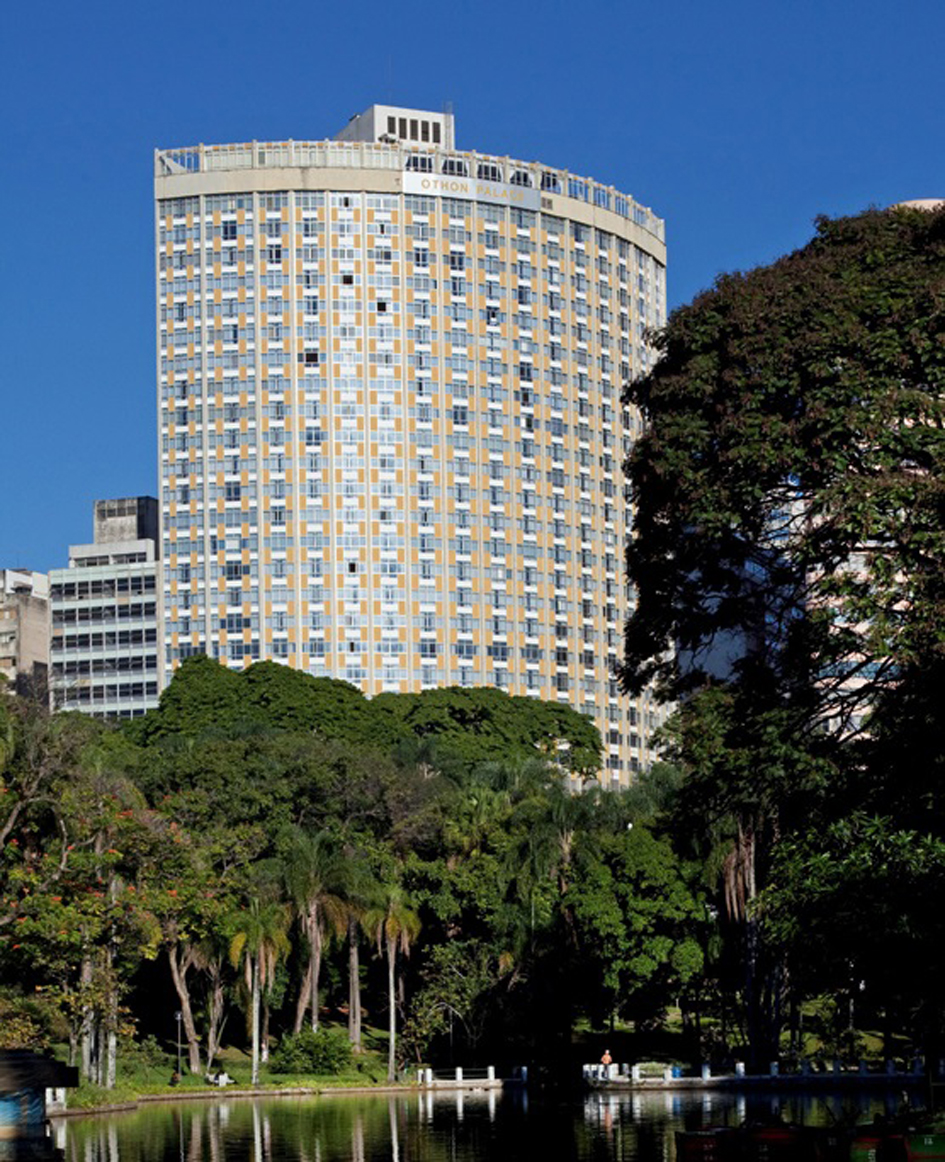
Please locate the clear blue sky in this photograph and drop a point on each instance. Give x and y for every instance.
(736, 121)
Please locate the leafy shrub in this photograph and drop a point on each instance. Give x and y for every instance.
(147, 1053)
(25, 1023)
(323, 1051)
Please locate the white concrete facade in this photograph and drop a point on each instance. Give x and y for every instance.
(106, 646)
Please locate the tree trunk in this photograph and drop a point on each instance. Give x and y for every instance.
(179, 970)
(264, 1035)
(698, 1029)
(795, 1026)
(254, 1018)
(110, 1031)
(315, 935)
(354, 988)
(216, 1012)
(86, 1028)
(98, 1056)
(302, 1003)
(392, 1000)
(747, 891)
(111, 1055)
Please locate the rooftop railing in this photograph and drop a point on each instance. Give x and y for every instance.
(398, 158)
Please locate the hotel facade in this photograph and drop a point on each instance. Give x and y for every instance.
(391, 433)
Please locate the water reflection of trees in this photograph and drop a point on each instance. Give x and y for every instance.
(426, 1127)
(402, 1128)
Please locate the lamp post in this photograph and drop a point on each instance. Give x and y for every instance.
(178, 1017)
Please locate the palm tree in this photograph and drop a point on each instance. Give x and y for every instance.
(364, 897)
(395, 926)
(261, 939)
(315, 874)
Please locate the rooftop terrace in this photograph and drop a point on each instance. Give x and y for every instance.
(399, 158)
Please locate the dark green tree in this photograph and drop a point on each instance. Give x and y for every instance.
(788, 489)
(790, 544)
(207, 698)
(637, 920)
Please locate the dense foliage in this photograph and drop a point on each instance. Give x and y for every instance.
(318, 1051)
(790, 517)
(279, 847)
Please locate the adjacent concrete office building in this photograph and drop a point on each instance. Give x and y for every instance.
(391, 434)
(106, 646)
(24, 631)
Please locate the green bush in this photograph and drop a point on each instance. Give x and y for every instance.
(146, 1053)
(26, 1023)
(323, 1051)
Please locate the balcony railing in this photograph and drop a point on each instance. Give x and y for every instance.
(398, 158)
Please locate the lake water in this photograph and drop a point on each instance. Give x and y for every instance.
(445, 1127)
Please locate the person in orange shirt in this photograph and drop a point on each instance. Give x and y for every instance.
(606, 1059)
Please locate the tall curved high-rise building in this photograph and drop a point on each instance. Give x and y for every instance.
(390, 424)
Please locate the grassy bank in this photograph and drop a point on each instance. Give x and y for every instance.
(146, 1070)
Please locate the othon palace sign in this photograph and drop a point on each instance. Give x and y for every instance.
(473, 189)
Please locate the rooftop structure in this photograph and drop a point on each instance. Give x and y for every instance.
(391, 124)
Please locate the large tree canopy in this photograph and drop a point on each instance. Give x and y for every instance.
(789, 488)
(789, 567)
(465, 726)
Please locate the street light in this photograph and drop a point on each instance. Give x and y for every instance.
(178, 1017)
